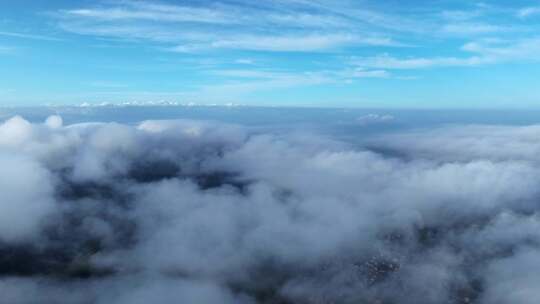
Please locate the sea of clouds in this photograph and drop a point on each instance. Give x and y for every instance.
(210, 213)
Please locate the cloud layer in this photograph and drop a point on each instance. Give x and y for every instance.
(201, 212)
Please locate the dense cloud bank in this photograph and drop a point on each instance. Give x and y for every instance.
(198, 212)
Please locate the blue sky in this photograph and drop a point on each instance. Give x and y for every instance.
(386, 54)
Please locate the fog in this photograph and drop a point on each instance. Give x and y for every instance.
(185, 211)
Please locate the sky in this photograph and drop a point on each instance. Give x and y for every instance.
(324, 53)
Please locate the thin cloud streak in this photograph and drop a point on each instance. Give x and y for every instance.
(29, 36)
(487, 53)
(284, 43)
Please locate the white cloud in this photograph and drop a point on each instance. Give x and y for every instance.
(201, 212)
(388, 62)
(487, 52)
(29, 36)
(374, 118)
(362, 73)
(298, 43)
(24, 208)
(54, 122)
(247, 61)
(474, 28)
(153, 12)
(526, 49)
(280, 42)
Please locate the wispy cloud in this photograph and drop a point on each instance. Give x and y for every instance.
(224, 26)
(364, 15)
(386, 61)
(334, 75)
(524, 49)
(132, 10)
(460, 15)
(263, 82)
(239, 83)
(474, 28)
(276, 25)
(485, 52)
(29, 36)
(363, 73)
(285, 43)
(248, 61)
